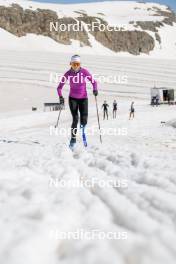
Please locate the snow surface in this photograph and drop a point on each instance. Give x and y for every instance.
(30, 157)
(171, 123)
(116, 13)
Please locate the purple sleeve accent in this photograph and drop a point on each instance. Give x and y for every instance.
(91, 79)
(61, 84)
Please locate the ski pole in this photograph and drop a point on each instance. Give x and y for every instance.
(98, 119)
(58, 117)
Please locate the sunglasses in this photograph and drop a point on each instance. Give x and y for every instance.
(75, 64)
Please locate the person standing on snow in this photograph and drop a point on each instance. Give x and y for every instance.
(114, 111)
(132, 110)
(78, 99)
(157, 100)
(168, 99)
(105, 110)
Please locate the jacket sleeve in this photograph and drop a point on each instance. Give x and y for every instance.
(62, 83)
(92, 80)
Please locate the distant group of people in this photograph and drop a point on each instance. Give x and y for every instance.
(105, 107)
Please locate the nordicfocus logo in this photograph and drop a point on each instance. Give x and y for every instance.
(81, 26)
(120, 78)
(84, 182)
(81, 234)
(90, 131)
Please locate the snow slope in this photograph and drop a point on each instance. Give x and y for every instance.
(115, 13)
(26, 74)
(34, 42)
(34, 211)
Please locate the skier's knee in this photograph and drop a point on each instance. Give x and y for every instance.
(84, 120)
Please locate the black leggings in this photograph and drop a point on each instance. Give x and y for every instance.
(114, 113)
(105, 113)
(76, 105)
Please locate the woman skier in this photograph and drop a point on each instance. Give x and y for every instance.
(78, 99)
(132, 110)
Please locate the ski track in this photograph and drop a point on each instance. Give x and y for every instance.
(144, 209)
(31, 208)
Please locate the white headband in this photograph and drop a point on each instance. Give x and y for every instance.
(75, 59)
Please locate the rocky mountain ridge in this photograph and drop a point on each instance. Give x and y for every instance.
(20, 21)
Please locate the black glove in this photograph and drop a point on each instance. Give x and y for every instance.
(95, 92)
(61, 100)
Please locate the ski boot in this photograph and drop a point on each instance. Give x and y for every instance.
(72, 143)
(84, 135)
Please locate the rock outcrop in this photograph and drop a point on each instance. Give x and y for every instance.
(169, 19)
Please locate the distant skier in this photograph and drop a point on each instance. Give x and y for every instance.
(157, 100)
(105, 110)
(153, 101)
(78, 99)
(132, 110)
(114, 111)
